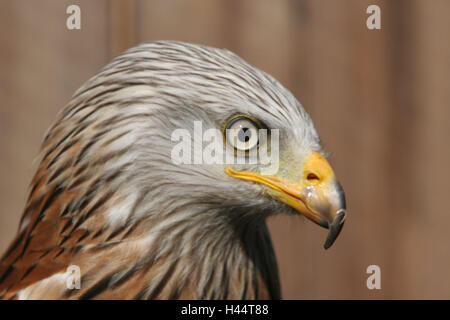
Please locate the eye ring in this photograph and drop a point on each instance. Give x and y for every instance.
(241, 132)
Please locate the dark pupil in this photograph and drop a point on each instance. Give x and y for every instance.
(244, 134)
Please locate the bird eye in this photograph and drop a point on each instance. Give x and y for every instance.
(242, 133)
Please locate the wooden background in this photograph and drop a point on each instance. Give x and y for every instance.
(379, 99)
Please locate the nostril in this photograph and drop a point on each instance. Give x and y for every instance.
(312, 176)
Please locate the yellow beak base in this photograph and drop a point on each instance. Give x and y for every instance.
(318, 195)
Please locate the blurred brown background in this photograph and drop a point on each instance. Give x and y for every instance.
(379, 99)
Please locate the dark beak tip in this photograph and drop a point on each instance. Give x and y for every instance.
(335, 228)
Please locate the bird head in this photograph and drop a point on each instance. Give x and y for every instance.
(167, 163)
(173, 125)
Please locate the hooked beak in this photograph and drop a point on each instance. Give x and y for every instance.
(318, 195)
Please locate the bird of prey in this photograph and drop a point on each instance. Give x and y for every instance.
(109, 198)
